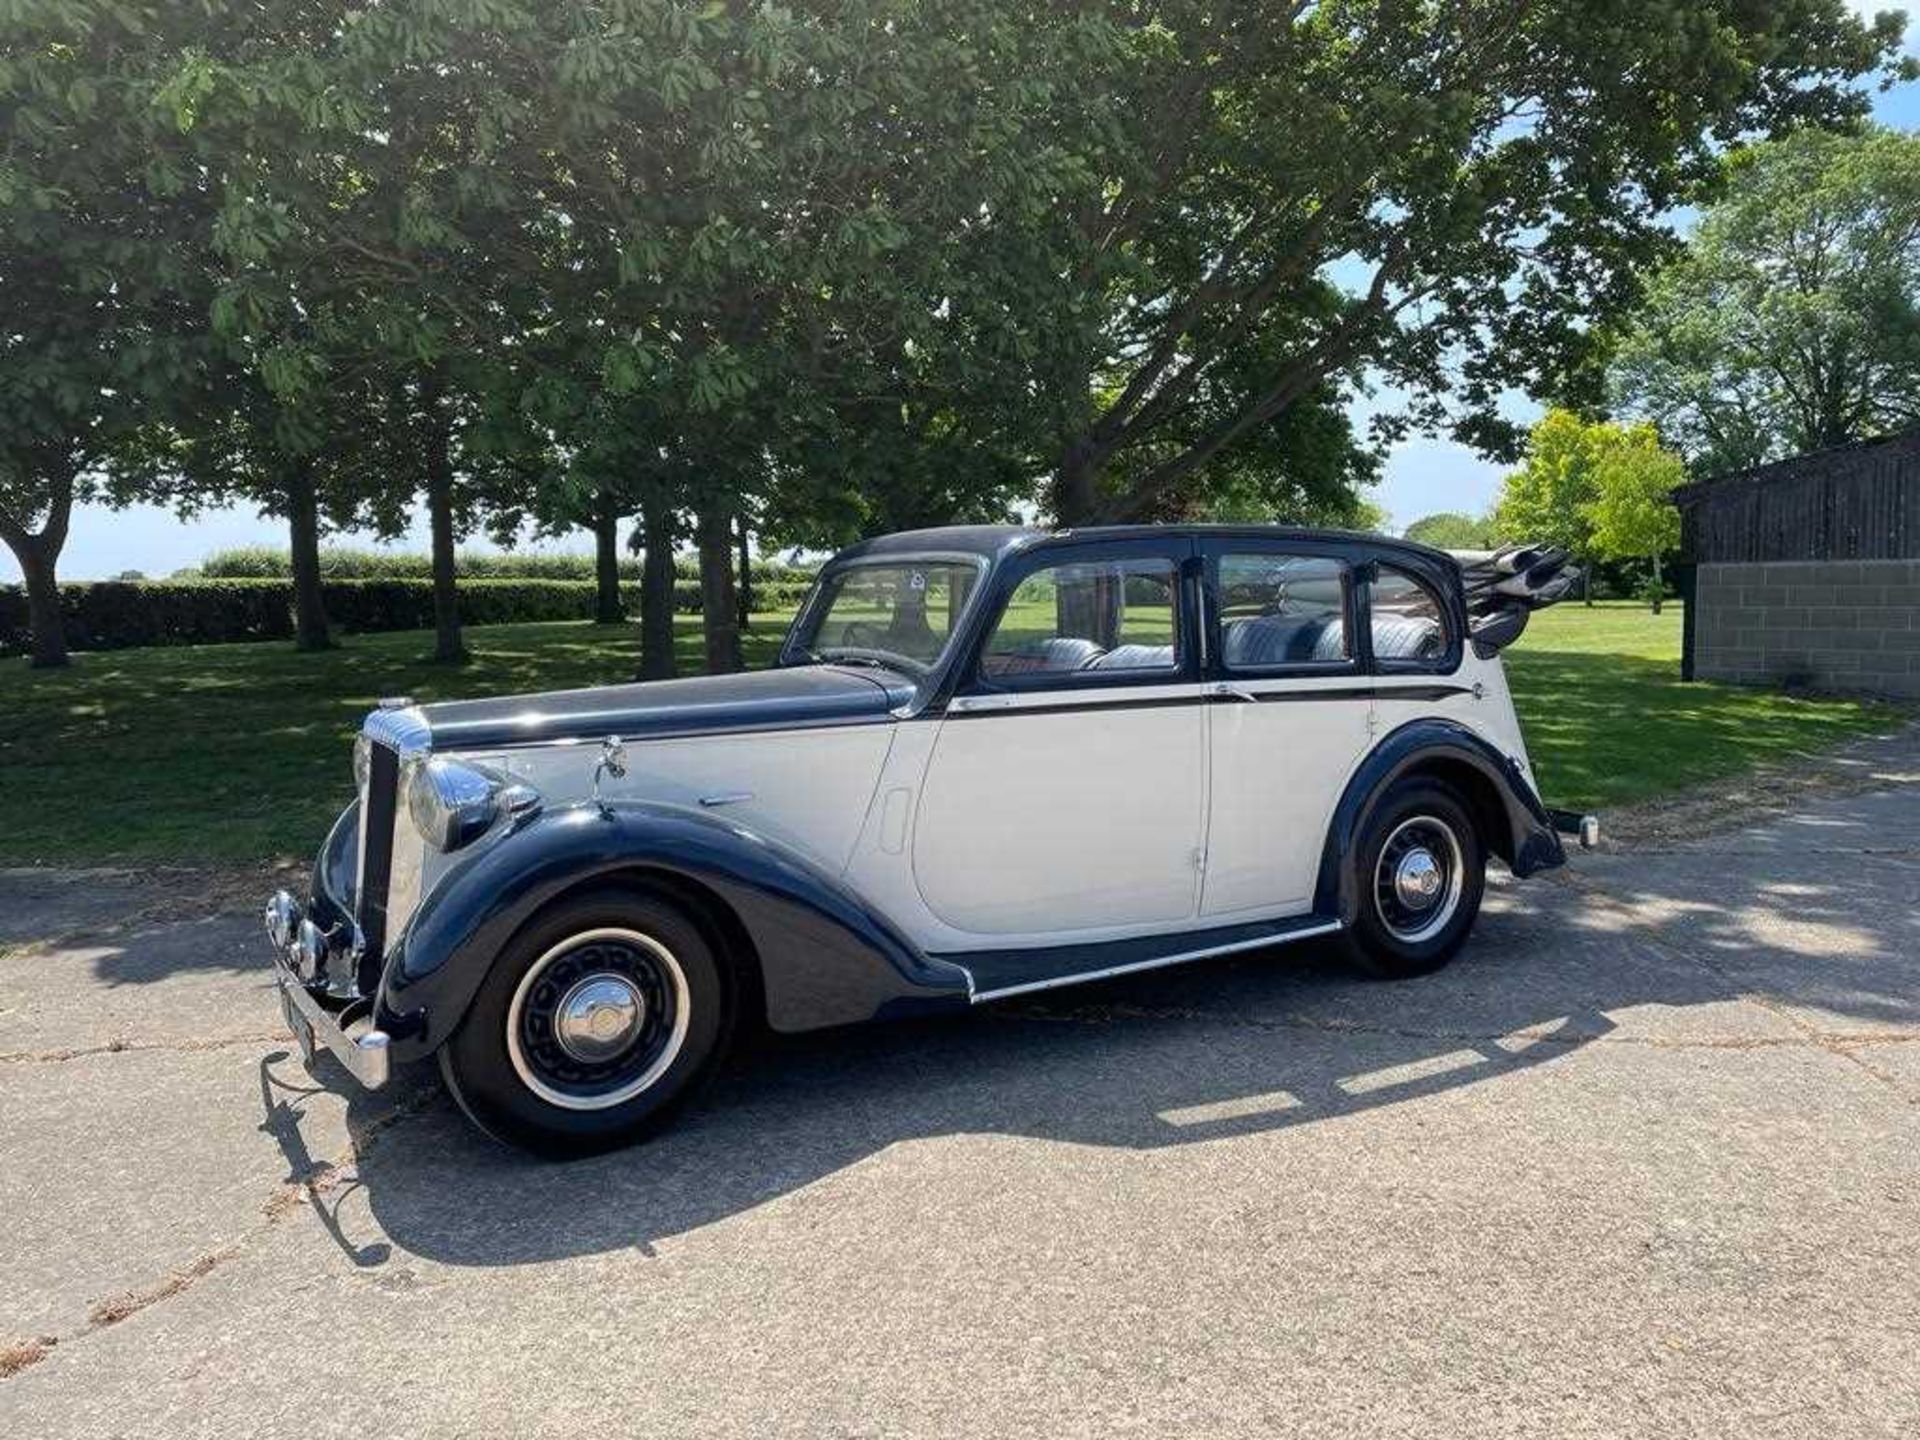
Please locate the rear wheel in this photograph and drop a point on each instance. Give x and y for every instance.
(1421, 872)
(594, 1023)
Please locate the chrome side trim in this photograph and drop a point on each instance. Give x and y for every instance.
(977, 997)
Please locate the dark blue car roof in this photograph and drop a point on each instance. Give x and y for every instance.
(993, 541)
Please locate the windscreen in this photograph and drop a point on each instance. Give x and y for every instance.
(900, 612)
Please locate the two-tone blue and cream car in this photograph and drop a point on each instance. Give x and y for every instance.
(989, 761)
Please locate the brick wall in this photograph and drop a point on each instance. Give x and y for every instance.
(1830, 624)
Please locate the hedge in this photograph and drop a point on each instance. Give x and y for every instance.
(120, 615)
(266, 562)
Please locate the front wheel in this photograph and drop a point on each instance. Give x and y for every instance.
(594, 1022)
(1421, 872)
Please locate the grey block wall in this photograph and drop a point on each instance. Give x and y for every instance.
(1829, 624)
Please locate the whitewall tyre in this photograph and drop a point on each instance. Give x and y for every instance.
(595, 1021)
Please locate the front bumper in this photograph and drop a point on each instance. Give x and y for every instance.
(364, 1052)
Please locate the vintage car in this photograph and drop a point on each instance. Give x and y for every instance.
(989, 761)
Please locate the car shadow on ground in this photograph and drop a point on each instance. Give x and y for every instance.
(1195, 1053)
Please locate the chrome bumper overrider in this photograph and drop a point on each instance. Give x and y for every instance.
(313, 1024)
(1573, 822)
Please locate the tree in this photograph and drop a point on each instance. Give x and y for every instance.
(103, 272)
(1549, 499)
(1450, 530)
(1486, 178)
(1632, 512)
(1792, 322)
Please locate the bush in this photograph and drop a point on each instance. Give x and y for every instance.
(264, 562)
(111, 615)
(117, 615)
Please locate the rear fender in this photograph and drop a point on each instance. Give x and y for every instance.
(1514, 824)
(825, 957)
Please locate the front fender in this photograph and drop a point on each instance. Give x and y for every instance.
(1515, 824)
(826, 957)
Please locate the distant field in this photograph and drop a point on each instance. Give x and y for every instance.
(241, 752)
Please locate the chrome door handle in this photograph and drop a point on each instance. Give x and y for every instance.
(965, 703)
(1235, 692)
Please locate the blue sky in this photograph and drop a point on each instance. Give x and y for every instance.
(1422, 475)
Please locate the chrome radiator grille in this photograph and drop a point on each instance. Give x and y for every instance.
(378, 810)
(391, 853)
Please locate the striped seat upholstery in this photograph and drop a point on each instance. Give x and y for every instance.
(1283, 640)
(1133, 657)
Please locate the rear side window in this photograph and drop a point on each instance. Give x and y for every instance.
(1282, 610)
(1104, 616)
(1408, 625)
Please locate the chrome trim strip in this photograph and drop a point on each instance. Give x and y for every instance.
(550, 742)
(977, 997)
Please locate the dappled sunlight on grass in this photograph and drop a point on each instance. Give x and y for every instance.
(1608, 720)
(241, 752)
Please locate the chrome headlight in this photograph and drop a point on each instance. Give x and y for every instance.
(453, 803)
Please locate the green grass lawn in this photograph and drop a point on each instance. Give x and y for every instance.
(242, 752)
(1608, 720)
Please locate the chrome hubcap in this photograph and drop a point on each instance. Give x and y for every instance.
(1418, 879)
(599, 1017)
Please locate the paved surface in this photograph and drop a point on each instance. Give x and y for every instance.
(1645, 1161)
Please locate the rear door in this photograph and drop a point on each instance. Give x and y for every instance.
(1289, 719)
(1066, 792)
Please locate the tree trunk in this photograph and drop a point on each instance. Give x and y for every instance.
(718, 616)
(656, 593)
(1089, 609)
(743, 604)
(447, 642)
(43, 605)
(1076, 486)
(310, 630)
(38, 555)
(1654, 594)
(607, 609)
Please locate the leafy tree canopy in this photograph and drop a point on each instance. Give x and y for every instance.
(1599, 489)
(1792, 321)
(1450, 530)
(1632, 512)
(1486, 180)
(1548, 500)
(104, 278)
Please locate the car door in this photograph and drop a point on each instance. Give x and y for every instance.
(1289, 722)
(1066, 791)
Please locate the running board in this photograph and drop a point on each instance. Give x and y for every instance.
(1000, 974)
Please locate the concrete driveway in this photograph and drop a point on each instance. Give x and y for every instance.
(1645, 1161)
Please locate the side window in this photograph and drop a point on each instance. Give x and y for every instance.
(1280, 610)
(1408, 626)
(1105, 616)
